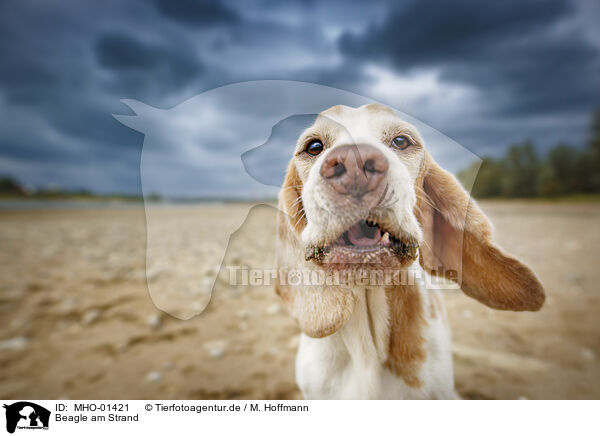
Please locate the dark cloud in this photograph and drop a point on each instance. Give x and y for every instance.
(131, 57)
(525, 56)
(119, 51)
(452, 31)
(197, 12)
(25, 82)
(64, 68)
(16, 74)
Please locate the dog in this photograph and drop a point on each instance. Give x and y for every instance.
(362, 197)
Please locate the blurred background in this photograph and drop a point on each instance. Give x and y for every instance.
(514, 83)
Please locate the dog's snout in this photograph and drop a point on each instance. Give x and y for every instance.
(354, 169)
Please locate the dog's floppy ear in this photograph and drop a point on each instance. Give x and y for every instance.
(321, 310)
(458, 245)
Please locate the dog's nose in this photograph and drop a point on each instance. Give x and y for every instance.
(354, 169)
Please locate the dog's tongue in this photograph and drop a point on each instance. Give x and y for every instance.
(363, 235)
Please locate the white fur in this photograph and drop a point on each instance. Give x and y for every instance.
(349, 363)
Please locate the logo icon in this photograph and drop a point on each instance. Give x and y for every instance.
(26, 415)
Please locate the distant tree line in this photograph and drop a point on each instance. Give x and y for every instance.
(11, 188)
(522, 172)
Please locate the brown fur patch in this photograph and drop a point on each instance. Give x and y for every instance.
(337, 109)
(376, 107)
(497, 279)
(458, 245)
(407, 346)
(292, 198)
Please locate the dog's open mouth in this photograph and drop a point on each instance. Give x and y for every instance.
(366, 242)
(364, 234)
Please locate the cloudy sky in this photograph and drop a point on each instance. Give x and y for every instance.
(484, 74)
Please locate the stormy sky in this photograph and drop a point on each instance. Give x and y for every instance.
(484, 74)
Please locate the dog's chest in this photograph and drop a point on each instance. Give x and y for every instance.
(350, 363)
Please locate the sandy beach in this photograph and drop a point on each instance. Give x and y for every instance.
(77, 320)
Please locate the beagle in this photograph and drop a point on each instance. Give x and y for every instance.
(369, 229)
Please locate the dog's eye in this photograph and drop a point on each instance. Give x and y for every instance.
(401, 142)
(314, 147)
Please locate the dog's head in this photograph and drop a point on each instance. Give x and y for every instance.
(358, 170)
(361, 192)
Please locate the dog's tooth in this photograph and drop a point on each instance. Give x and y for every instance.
(385, 238)
(412, 252)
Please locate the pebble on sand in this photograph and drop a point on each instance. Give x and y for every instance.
(90, 316)
(17, 343)
(155, 273)
(244, 314)
(154, 376)
(216, 349)
(207, 283)
(588, 354)
(154, 321)
(274, 309)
